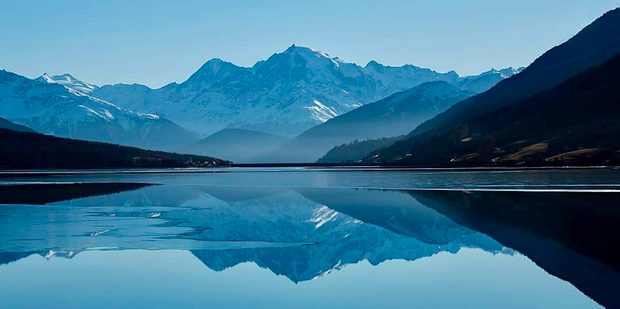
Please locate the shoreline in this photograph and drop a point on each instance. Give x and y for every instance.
(285, 168)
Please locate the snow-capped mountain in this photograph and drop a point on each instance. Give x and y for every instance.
(56, 109)
(68, 81)
(284, 95)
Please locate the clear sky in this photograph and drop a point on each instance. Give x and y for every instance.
(158, 42)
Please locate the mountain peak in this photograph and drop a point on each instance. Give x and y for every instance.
(373, 63)
(299, 62)
(296, 47)
(64, 77)
(216, 64)
(215, 61)
(508, 72)
(45, 78)
(306, 51)
(504, 73)
(214, 69)
(291, 48)
(68, 81)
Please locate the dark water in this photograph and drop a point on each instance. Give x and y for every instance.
(245, 238)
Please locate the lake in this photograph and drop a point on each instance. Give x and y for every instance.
(310, 238)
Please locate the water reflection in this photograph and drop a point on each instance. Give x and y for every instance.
(307, 233)
(572, 235)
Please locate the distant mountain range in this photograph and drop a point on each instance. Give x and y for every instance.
(51, 106)
(558, 111)
(397, 114)
(298, 105)
(285, 95)
(237, 145)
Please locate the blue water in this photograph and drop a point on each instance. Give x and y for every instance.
(297, 238)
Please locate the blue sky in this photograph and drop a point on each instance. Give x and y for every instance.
(158, 42)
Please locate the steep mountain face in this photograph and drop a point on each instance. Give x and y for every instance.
(52, 108)
(395, 115)
(5, 124)
(237, 145)
(68, 81)
(576, 123)
(284, 95)
(591, 47)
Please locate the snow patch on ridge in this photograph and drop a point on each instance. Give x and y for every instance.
(69, 82)
(321, 112)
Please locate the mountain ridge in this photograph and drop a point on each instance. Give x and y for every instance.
(285, 94)
(55, 108)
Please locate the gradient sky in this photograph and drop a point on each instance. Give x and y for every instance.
(158, 42)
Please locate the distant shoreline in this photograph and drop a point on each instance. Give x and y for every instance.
(285, 167)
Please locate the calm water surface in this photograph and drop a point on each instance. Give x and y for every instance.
(297, 238)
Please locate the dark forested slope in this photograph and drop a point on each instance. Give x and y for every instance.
(25, 150)
(591, 47)
(575, 123)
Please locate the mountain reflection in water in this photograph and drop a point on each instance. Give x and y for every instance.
(305, 233)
